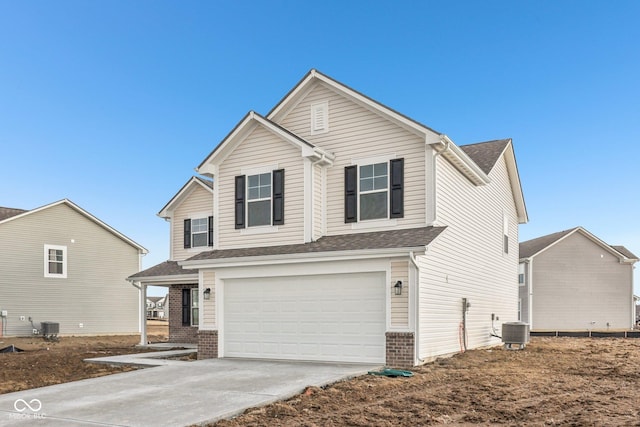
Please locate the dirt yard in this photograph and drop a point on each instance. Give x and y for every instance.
(554, 381)
(45, 363)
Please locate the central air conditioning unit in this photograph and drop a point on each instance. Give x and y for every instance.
(50, 330)
(515, 334)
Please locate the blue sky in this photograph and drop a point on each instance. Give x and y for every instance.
(113, 103)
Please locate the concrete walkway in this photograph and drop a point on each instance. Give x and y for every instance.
(177, 394)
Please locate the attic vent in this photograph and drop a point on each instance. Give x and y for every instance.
(320, 117)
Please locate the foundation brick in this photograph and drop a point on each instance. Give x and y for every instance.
(400, 349)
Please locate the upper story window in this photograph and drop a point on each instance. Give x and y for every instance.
(374, 199)
(259, 199)
(198, 232)
(521, 277)
(374, 191)
(55, 261)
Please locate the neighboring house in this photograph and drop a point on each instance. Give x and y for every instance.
(572, 280)
(59, 263)
(156, 308)
(338, 229)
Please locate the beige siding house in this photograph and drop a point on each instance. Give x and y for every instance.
(346, 231)
(573, 281)
(59, 263)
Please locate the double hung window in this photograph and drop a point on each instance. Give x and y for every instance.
(55, 261)
(374, 191)
(259, 199)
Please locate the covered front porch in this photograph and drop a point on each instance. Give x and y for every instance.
(181, 305)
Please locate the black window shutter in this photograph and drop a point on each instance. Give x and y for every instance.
(397, 190)
(186, 307)
(210, 232)
(240, 205)
(278, 197)
(187, 233)
(350, 194)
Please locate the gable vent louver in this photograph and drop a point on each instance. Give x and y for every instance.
(319, 117)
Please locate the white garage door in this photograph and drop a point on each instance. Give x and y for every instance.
(325, 318)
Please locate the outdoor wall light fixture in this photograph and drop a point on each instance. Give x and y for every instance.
(207, 293)
(398, 287)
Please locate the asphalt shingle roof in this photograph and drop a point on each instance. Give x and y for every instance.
(533, 246)
(485, 154)
(167, 268)
(9, 212)
(405, 238)
(624, 251)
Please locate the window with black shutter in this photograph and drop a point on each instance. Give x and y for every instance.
(350, 194)
(210, 231)
(186, 307)
(239, 201)
(278, 197)
(259, 199)
(374, 191)
(397, 190)
(187, 233)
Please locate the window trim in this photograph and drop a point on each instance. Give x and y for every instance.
(259, 199)
(195, 320)
(205, 232)
(48, 247)
(360, 192)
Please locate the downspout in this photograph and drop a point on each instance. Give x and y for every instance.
(143, 311)
(416, 311)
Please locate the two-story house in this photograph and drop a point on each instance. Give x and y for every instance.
(338, 229)
(573, 281)
(61, 264)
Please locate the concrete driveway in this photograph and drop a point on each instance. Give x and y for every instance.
(177, 394)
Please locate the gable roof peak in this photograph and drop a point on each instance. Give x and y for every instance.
(533, 247)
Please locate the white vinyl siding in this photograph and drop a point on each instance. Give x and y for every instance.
(209, 306)
(467, 261)
(94, 293)
(261, 148)
(577, 282)
(199, 202)
(357, 132)
(400, 303)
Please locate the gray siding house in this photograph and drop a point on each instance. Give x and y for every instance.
(572, 281)
(59, 263)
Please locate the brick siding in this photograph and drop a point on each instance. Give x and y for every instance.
(400, 349)
(177, 332)
(207, 344)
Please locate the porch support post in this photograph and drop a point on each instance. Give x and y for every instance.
(143, 314)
